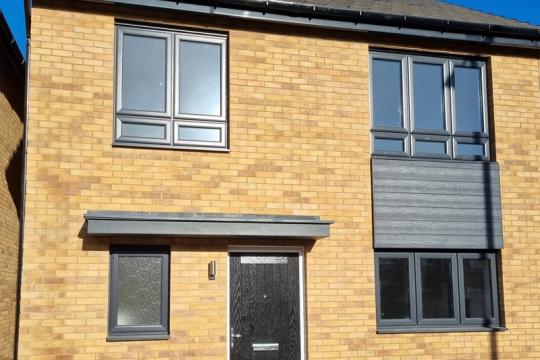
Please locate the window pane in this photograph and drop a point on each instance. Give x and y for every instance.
(387, 90)
(430, 147)
(437, 290)
(470, 149)
(143, 130)
(394, 288)
(428, 93)
(144, 71)
(200, 78)
(477, 283)
(468, 98)
(199, 134)
(139, 290)
(389, 145)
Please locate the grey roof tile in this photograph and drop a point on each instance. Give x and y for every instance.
(433, 9)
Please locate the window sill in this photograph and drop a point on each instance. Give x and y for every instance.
(429, 158)
(134, 337)
(170, 147)
(439, 329)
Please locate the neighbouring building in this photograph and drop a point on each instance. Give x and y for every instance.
(12, 112)
(280, 180)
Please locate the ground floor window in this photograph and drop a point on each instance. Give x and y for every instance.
(436, 290)
(138, 293)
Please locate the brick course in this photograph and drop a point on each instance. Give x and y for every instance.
(300, 144)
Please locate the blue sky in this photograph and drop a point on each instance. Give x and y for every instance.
(13, 11)
(525, 10)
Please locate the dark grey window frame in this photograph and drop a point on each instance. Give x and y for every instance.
(419, 302)
(450, 135)
(459, 322)
(172, 118)
(412, 293)
(147, 332)
(494, 295)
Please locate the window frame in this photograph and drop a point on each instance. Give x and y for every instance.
(409, 133)
(494, 289)
(420, 324)
(446, 96)
(391, 136)
(172, 116)
(138, 332)
(122, 30)
(455, 295)
(208, 39)
(143, 121)
(412, 287)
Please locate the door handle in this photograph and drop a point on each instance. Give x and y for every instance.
(234, 336)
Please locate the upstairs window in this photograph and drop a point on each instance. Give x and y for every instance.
(170, 89)
(429, 107)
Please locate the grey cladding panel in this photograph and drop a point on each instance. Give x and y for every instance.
(436, 204)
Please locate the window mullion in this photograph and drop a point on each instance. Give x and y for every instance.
(407, 101)
(414, 288)
(461, 289)
(172, 81)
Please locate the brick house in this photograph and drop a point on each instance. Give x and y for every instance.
(280, 180)
(12, 114)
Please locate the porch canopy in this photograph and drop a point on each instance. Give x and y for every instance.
(107, 223)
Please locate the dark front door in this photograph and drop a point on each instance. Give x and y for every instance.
(265, 306)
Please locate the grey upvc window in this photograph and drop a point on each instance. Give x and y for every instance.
(138, 293)
(170, 88)
(445, 291)
(429, 107)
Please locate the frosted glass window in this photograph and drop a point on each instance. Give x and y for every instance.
(200, 78)
(139, 293)
(144, 73)
(139, 290)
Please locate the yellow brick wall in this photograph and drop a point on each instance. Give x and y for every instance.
(11, 133)
(300, 144)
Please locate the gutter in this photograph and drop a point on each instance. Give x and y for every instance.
(13, 52)
(364, 21)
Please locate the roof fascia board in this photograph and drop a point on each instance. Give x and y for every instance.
(435, 29)
(10, 47)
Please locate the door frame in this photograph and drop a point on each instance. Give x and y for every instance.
(269, 249)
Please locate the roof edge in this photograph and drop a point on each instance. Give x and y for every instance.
(10, 47)
(373, 17)
(349, 20)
